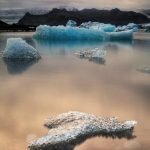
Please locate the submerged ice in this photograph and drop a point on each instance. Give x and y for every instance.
(18, 49)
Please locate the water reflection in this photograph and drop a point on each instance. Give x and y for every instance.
(65, 47)
(62, 48)
(15, 67)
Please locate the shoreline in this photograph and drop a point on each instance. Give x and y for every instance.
(17, 28)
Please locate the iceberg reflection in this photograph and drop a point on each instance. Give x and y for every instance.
(15, 67)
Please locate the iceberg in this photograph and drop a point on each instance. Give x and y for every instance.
(71, 23)
(62, 33)
(18, 50)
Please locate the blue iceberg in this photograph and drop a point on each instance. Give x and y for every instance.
(18, 50)
(62, 33)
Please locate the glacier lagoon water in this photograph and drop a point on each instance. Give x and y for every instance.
(61, 81)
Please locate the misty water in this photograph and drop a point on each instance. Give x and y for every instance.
(61, 82)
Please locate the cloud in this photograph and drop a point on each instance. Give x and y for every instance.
(127, 4)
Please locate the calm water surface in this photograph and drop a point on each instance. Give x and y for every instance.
(61, 82)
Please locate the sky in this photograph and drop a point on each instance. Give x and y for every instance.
(80, 4)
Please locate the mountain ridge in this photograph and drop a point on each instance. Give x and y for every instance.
(61, 16)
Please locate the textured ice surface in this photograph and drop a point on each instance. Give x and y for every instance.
(69, 33)
(98, 26)
(18, 50)
(62, 33)
(131, 26)
(94, 53)
(70, 129)
(71, 23)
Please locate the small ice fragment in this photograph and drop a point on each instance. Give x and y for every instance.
(71, 23)
(94, 53)
(121, 36)
(98, 53)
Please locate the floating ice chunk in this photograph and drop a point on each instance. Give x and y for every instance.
(96, 55)
(144, 70)
(71, 23)
(98, 26)
(121, 36)
(131, 26)
(18, 50)
(69, 33)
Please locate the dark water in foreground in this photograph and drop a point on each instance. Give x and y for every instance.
(61, 82)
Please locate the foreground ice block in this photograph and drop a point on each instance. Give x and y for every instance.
(70, 129)
(69, 33)
(18, 50)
